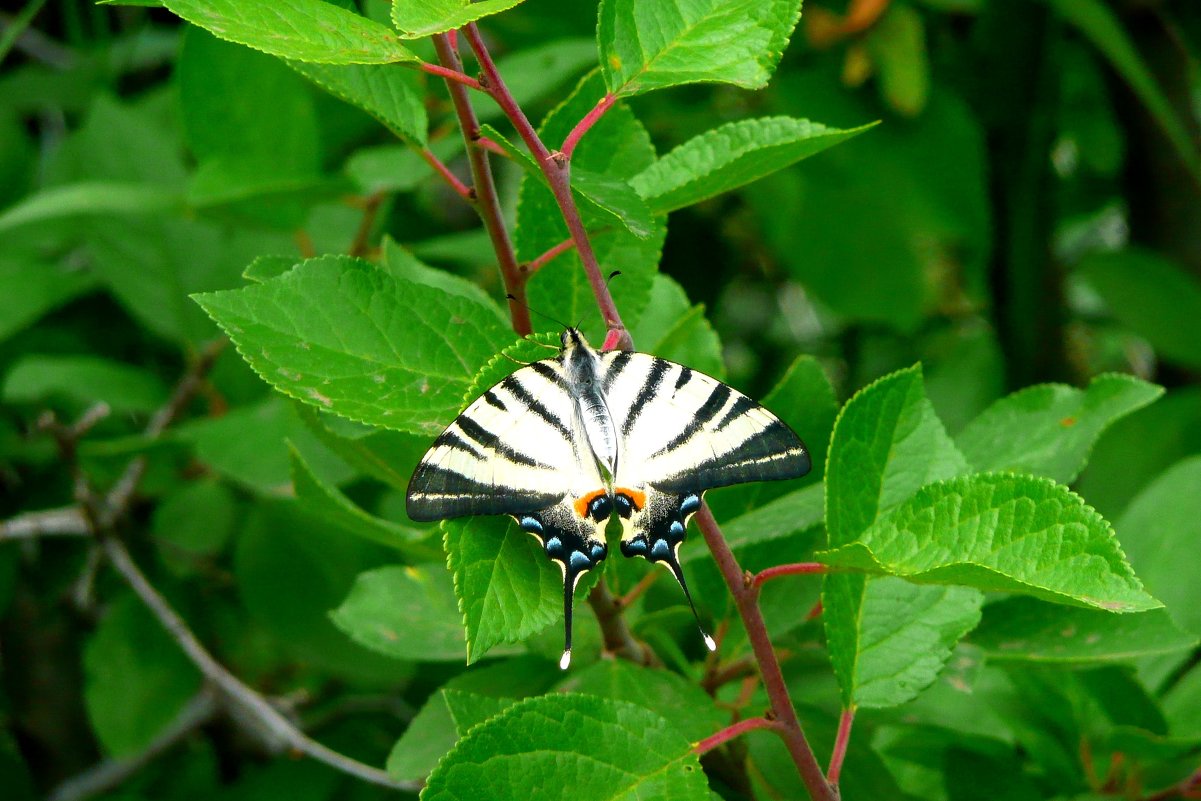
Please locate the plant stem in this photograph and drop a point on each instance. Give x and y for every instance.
(617, 636)
(543, 259)
(795, 569)
(746, 598)
(487, 201)
(456, 75)
(558, 175)
(461, 189)
(730, 732)
(64, 522)
(359, 245)
(581, 128)
(841, 740)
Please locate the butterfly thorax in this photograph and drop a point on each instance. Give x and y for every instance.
(583, 369)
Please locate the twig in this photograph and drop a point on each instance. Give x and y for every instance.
(491, 146)
(487, 201)
(66, 521)
(730, 732)
(540, 261)
(590, 119)
(616, 634)
(642, 586)
(250, 708)
(746, 598)
(841, 740)
(456, 75)
(558, 175)
(11, 28)
(734, 670)
(461, 189)
(795, 569)
(371, 204)
(111, 773)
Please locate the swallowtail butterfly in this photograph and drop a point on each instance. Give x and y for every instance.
(564, 443)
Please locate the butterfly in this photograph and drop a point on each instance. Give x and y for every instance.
(564, 443)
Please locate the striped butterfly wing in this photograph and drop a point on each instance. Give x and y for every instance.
(517, 450)
(682, 433)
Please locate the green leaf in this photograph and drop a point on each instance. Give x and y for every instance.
(136, 679)
(1160, 532)
(1182, 705)
(29, 288)
(672, 328)
(905, 636)
(400, 261)
(446, 716)
(1050, 429)
(386, 456)
(91, 198)
(404, 612)
(611, 200)
(652, 46)
(1028, 630)
(341, 334)
(1153, 297)
(787, 515)
(393, 96)
(83, 380)
(1101, 27)
(617, 146)
(304, 30)
(897, 45)
(733, 155)
(581, 746)
(195, 520)
(322, 500)
(887, 442)
(1009, 533)
(418, 18)
(291, 572)
(387, 168)
(507, 589)
(682, 702)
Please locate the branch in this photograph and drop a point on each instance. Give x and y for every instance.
(456, 75)
(487, 201)
(111, 773)
(557, 170)
(590, 119)
(371, 204)
(67, 521)
(795, 569)
(461, 189)
(841, 740)
(730, 732)
(250, 709)
(617, 636)
(746, 598)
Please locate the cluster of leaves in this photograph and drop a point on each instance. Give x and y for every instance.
(276, 523)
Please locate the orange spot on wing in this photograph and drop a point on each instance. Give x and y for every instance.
(581, 504)
(637, 498)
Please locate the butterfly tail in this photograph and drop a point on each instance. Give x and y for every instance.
(669, 558)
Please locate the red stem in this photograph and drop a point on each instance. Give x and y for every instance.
(541, 261)
(491, 147)
(746, 599)
(487, 201)
(558, 176)
(795, 569)
(840, 746)
(587, 122)
(462, 189)
(451, 75)
(730, 732)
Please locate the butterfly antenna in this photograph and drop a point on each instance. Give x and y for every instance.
(532, 310)
(672, 562)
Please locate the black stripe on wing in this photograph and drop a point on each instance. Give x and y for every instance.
(770, 454)
(650, 386)
(709, 409)
(438, 493)
(490, 440)
(514, 387)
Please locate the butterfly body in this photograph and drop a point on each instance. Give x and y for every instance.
(564, 443)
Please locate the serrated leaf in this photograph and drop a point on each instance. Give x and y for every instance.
(1152, 296)
(1029, 630)
(400, 261)
(341, 334)
(83, 380)
(304, 30)
(1050, 429)
(887, 442)
(619, 146)
(405, 613)
(325, 501)
(1160, 530)
(733, 155)
(393, 96)
(689, 708)
(507, 589)
(570, 746)
(645, 46)
(610, 199)
(906, 633)
(419, 18)
(446, 716)
(91, 198)
(264, 268)
(387, 456)
(1010, 533)
(135, 678)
